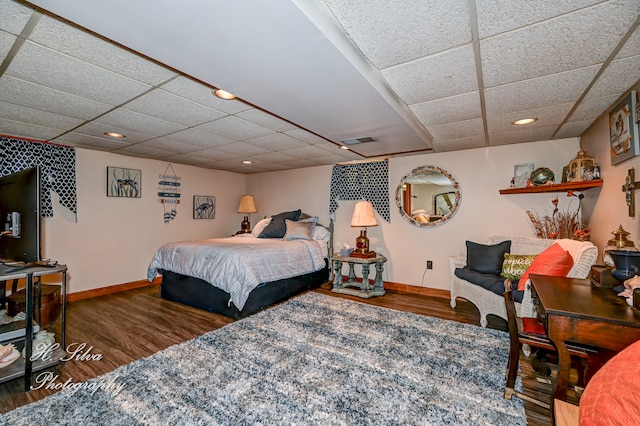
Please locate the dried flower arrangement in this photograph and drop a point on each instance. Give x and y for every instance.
(561, 224)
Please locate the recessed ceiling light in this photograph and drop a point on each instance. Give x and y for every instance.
(524, 121)
(114, 135)
(344, 147)
(247, 162)
(223, 94)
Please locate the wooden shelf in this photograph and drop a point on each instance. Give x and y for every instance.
(560, 187)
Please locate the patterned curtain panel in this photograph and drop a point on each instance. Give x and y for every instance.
(57, 165)
(361, 181)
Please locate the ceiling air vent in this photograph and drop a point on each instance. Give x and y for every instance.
(355, 141)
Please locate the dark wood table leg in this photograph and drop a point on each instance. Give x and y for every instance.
(559, 331)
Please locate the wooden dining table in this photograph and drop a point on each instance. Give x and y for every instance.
(574, 310)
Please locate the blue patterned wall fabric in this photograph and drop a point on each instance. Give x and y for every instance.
(361, 181)
(57, 166)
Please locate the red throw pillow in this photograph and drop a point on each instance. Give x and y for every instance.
(554, 261)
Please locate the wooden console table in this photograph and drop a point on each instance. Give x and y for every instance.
(574, 310)
(365, 288)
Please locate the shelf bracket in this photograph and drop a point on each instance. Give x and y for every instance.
(628, 188)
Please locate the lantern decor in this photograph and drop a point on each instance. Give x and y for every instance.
(619, 242)
(581, 167)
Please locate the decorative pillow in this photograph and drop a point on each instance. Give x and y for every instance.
(277, 228)
(310, 219)
(321, 233)
(259, 227)
(554, 261)
(298, 230)
(515, 265)
(490, 282)
(487, 259)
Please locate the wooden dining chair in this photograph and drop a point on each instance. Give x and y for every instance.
(529, 331)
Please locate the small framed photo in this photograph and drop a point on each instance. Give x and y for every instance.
(623, 130)
(521, 174)
(204, 207)
(124, 183)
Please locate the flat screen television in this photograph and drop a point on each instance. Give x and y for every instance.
(20, 216)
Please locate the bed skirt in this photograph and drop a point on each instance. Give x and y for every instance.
(200, 294)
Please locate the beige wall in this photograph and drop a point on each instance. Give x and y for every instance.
(611, 209)
(483, 211)
(114, 239)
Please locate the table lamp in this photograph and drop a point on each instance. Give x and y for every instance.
(247, 205)
(363, 216)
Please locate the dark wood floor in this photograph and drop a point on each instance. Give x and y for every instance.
(137, 323)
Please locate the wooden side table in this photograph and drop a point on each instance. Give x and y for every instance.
(365, 289)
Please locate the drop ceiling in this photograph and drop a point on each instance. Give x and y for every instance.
(416, 76)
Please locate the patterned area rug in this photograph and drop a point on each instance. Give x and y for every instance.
(314, 359)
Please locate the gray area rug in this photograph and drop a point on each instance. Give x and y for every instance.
(314, 359)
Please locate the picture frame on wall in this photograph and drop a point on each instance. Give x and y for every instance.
(521, 174)
(204, 207)
(623, 130)
(124, 183)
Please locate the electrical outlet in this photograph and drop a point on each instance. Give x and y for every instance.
(429, 264)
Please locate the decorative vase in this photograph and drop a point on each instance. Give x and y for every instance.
(627, 264)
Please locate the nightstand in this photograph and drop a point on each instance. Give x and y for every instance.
(365, 289)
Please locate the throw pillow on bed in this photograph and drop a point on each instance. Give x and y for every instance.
(259, 227)
(554, 261)
(277, 228)
(301, 230)
(487, 259)
(515, 265)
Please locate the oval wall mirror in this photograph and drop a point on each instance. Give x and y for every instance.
(428, 196)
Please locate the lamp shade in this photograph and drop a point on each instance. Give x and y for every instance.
(247, 204)
(363, 215)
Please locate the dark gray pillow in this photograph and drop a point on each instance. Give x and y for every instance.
(277, 227)
(487, 259)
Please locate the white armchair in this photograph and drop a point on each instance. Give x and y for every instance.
(584, 255)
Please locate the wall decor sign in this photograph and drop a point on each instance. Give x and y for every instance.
(623, 130)
(124, 183)
(204, 207)
(169, 193)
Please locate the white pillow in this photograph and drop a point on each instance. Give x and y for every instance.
(298, 230)
(321, 234)
(259, 227)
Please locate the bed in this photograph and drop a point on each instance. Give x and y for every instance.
(237, 276)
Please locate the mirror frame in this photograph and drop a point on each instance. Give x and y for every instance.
(444, 218)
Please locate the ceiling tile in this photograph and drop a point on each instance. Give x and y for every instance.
(306, 136)
(447, 110)
(6, 43)
(139, 149)
(438, 76)
(309, 151)
(84, 46)
(631, 47)
(272, 157)
(499, 16)
(547, 117)
(459, 144)
(331, 159)
(235, 128)
(458, 129)
(14, 16)
(170, 145)
(617, 77)
(276, 142)
(265, 119)
(34, 96)
(412, 30)
(121, 120)
(215, 155)
(573, 128)
(40, 118)
(27, 130)
(531, 94)
(172, 108)
(584, 38)
(90, 142)
(591, 108)
(193, 159)
(98, 129)
(243, 149)
(48, 68)
(200, 93)
(522, 135)
(198, 137)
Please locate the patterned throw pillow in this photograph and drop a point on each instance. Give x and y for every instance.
(515, 265)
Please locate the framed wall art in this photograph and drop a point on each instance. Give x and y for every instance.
(204, 207)
(623, 130)
(125, 183)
